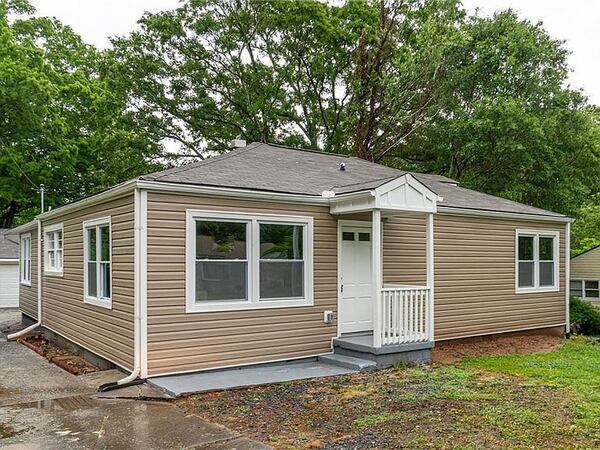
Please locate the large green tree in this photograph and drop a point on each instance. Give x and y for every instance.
(63, 121)
(417, 84)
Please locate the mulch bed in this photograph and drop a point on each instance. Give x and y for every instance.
(454, 352)
(61, 357)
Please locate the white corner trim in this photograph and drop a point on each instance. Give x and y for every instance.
(253, 300)
(536, 234)
(568, 277)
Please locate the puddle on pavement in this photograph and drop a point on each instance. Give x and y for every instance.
(61, 404)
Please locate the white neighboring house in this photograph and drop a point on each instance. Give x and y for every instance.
(9, 272)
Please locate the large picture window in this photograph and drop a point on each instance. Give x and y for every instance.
(25, 260)
(242, 261)
(97, 262)
(53, 249)
(537, 261)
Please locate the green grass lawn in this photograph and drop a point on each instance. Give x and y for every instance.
(575, 367)
(549, 400)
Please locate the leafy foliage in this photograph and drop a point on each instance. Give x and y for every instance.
(63, 122)
(585, 318)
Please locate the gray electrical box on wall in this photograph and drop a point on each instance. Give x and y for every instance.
(328, 316)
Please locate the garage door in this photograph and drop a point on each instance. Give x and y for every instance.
(9, 285)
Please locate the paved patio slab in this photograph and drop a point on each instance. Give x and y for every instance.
(216, 380)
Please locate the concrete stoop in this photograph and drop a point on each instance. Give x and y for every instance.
(360, 348)
(349, 362)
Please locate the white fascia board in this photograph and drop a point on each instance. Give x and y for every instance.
(94, 199)
(214, 191)
(20, 229)
(501, 215)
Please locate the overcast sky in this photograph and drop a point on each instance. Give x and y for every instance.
(575, 21)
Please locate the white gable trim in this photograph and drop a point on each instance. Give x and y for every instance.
(404, 193)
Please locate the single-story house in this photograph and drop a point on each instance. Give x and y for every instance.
(269, 253)
(585, 276)
(9, 272)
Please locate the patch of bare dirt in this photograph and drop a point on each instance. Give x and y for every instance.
(453, 352)
(64, 359)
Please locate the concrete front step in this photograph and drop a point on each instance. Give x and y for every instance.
(349, 362)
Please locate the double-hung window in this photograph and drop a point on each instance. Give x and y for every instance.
(97, 262)
(537, 261)
(53, 249)
(587, 289)
(25, 260)
(244, 261)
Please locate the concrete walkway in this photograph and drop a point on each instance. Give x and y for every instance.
(42, 406)
(213, 380)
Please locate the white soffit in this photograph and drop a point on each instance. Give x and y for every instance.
(404, 193)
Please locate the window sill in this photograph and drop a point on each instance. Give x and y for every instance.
(96, 302)
(246, 306)
(53, 273)
(536, 290)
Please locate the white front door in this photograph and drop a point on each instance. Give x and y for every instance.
(356, 302)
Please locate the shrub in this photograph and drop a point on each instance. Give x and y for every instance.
(585, 318)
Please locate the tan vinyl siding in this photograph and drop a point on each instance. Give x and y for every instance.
(586, 265)
(404, 250)
(474, 274)
(28, 294)
(475, 279)
(180, 341)
(109, 333)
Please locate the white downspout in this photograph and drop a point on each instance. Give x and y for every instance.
(39, 288)
(137, 310)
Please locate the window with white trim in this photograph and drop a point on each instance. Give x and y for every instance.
(244, 261)
(537, 261)
(53, 249)
(25, 260)
(97, 262)
(586, 289)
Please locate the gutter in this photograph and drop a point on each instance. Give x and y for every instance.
(18, 334)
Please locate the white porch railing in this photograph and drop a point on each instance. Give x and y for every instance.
(405, 314)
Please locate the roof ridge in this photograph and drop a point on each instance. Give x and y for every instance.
(204, 162)
(307, 150)
(382, 179)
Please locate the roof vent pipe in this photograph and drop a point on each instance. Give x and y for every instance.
(342, 167)
(237, 143)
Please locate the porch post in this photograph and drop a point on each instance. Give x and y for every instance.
(430, 275)
(376, 274)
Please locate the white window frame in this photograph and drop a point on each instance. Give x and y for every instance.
(253, 261)
(583, 296)
(50, 232)
(25, 257)
(537, 234)
(104, 302)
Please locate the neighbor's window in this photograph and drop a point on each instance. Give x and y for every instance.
(239, 261)
(588, 289)
(537, 261)
(53, 249)
(25, 260)
(97, 265)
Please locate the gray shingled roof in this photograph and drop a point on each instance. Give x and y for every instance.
(8, 249)
(274, 168)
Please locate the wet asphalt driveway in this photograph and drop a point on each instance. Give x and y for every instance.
(42, 406)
